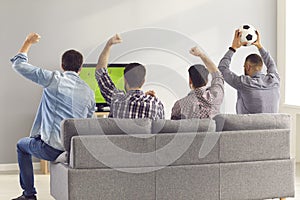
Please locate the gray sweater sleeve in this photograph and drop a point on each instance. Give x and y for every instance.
(230, 77)
(269, 62)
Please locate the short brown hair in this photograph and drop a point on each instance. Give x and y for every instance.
(134, 74)
(199, 75)
(72, 60)
(255, 61)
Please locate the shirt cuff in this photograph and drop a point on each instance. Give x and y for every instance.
(22, 56)
(230, 53)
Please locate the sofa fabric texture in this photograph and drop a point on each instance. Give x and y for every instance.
(245, 157)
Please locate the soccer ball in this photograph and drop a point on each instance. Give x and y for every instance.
(248, 34)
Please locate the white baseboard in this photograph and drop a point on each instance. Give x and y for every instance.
(15, 167)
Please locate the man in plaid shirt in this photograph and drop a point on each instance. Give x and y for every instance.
(134, 103)
(201, 102)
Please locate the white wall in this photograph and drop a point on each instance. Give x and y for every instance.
(283, 64)
(85, 24)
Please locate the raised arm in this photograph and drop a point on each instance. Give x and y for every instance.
(268, 60)
(31, 39)
(104, 56)
(217, 82)
(107, 87)
(20, 63)
(236, 43)
(210, 65)
(224, 66)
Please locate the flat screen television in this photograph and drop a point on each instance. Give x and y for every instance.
(116, 73)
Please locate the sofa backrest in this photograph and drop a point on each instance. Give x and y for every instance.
(156, 150)
(86, 132)
(239, 138)
(183, 126)
(103, 126)
(233, 122)
(109, 126)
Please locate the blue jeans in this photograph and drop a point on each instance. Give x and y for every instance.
(26, 148)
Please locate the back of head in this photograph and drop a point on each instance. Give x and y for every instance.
(255, 61)
(134, 74)
(72, 61)
(199, 75)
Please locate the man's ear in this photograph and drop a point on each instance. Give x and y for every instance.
(79, 70)
(191, 83)
(248, 67)
(143, 83)
(126, 87)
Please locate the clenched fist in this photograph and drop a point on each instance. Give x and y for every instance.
(115, 39)
(33, 38)
(196, 51)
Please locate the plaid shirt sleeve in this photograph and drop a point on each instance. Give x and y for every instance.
(217, 87)
(176, 111)
(107, 87)
(161, 111)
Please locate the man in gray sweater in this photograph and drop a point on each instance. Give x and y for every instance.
(257, 92)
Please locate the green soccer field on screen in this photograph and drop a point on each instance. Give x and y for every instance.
(115, 71)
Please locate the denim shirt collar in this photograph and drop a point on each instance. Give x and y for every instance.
(71, 73)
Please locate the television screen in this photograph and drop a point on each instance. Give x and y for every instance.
(116, 73)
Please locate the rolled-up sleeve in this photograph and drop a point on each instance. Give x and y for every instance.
(40, 76)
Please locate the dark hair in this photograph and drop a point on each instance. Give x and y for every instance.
(134, 74)
(255, 60)
(199, 75)
(72, 60)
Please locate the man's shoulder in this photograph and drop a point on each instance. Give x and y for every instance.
(184, 100)
(137, 98)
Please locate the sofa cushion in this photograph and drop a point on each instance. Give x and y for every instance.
(108, 184)
(254, 145)
(103, 126)
(232, 122)
(188, 182)
(257, 180)
(184, 125)
(175, 149)
(112, 151)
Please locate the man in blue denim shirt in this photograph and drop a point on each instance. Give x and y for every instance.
(65, 95)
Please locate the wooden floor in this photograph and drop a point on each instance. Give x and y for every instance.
(9, 185)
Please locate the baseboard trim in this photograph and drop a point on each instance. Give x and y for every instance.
(15, 167)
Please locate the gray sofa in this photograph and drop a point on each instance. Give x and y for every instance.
(229, 157)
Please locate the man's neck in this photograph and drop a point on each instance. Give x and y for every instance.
(71, 71)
